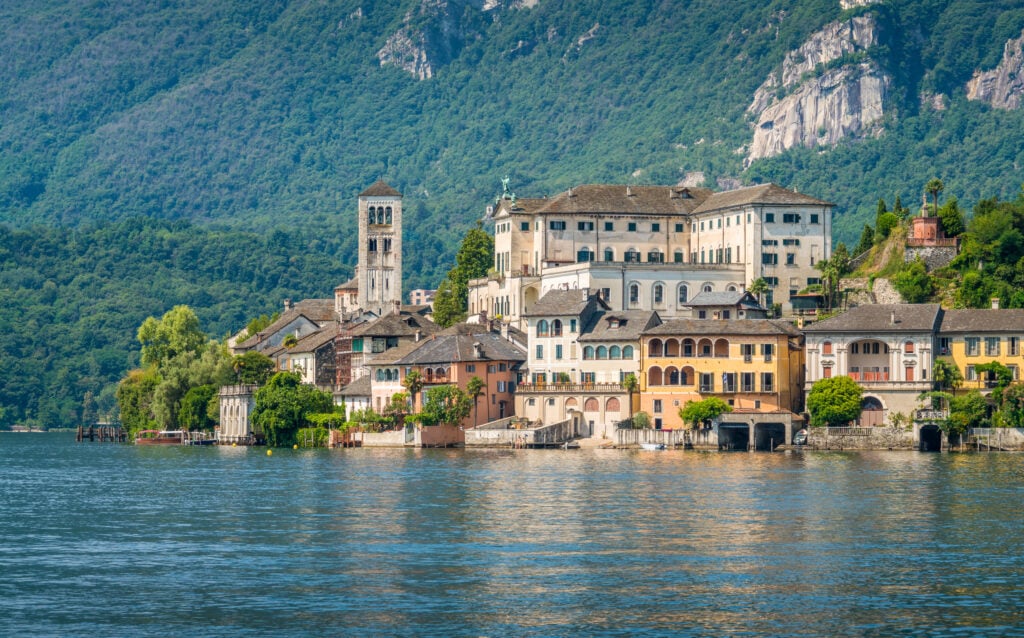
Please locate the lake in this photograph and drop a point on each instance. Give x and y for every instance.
(116, 540)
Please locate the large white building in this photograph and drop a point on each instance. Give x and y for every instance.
(653, 247)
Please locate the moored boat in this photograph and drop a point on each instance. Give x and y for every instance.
(161, 437)
(652, 446)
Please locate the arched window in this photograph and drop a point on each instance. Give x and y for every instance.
(542, 328)
(708, 288)
(612, 405)
(387, 215)
(677, 256)
(654, 376)
(602, 352)
(584, 254)
(627, 352)
(556, 328)
(671, 348)
(687, 347)
(634, 294)
(591, 405)
(632, 255)
(609, 254)
(686, 376)
(721, 348)
(440, 374)
(588, 352)
(671, 376)
(731, 288)
(380, 374)
(684, 294)
(654, 348)
(908, 347)
(373, 215)
(659, 294)
(387, 375)
(430, 375)
(615, 352)
(826, 348)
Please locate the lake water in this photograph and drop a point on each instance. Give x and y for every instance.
(114, 540)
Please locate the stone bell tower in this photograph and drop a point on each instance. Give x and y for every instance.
(380, 248)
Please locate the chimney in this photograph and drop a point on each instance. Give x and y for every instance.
(287, 305)
(504, 329)
(892, 318)
(629, 192)
(478, 350)
(418, 335)
(483, 317)
(571, 192)
(995, 303)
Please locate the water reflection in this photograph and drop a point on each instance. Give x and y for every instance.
(228, 541)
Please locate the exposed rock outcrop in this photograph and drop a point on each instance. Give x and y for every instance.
(827, 90)
(434, 32)
(850, 4)
(1003, 86)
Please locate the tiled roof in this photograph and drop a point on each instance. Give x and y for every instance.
(312, 341)
(724, 298)
(525, 205)
(358, 388)
(396, 326)
(619, 198)
(319, 311)
(631, 324)
(686, 327)
(380, 188)
(351, 284)
(453, 348)
(982, 320)
(760, 194)
(880, 318)
(562, 302)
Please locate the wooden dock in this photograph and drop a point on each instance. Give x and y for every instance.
(103, 433)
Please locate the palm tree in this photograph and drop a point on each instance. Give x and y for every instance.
(413, 382)
(757, 288)
(934, 187)
(474, 388)
(630, 384)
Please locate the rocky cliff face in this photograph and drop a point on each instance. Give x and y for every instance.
(1003, 86)
(433, 33)
(827, 90)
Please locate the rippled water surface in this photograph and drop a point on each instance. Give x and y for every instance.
(110, 540)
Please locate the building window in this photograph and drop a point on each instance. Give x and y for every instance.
(728, 382)
(790, 259)
(1015, 371)
(769, 259)
(584, 254)
(992, 346)
(627, 352)
(790, 218)
(502, 367)
(908, 347)
(556, 225)
(542, 328)
(631, 227)
(606, 294)
(540, 352)
(702, 314)
(655, 227)
(767, 382)
(655, 257)
(677, 256)
(586, 226)
(1013, 343)
(683, 294)
(657, 406)
(470, 367)
(609, 254)
(769, 218)
(790, 242)
(769, 242)
(679, 228)
(609, 226)
(973, 345)
(771, 281)
(634, 294)
(826, 348)
(747, 382)
(814, 281)
(707, 382)
(632, 256)
(827, 372)
(572, 325)
(524, 226)
(814, 218)
(556, 328)
(659, 294)
(971, 374)
(558, 351)
(588, 352)
(768, 349)
(909, 372)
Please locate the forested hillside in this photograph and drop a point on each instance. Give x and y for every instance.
(271, 117)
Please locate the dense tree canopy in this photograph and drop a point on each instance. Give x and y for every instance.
(834, 402)
(283, 405)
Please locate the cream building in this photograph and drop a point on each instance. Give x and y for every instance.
(652, 247)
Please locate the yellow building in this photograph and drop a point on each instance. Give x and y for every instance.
(755, 365)
(972, 337)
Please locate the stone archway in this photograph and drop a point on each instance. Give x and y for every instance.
(930, 438)
(872, 412)
(734, 437)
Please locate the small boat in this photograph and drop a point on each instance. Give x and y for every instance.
(652, 446)
(161, 437)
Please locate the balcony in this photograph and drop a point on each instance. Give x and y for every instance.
(568, 388)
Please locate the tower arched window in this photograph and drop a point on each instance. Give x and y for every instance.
(387, 215)
(373, 215)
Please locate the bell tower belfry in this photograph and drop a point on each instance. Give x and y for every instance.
(380, 248)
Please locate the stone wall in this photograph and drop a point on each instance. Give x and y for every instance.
(933, 256)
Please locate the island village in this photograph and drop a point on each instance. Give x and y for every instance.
(611, 308)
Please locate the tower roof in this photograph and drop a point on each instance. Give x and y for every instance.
(380, 188)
